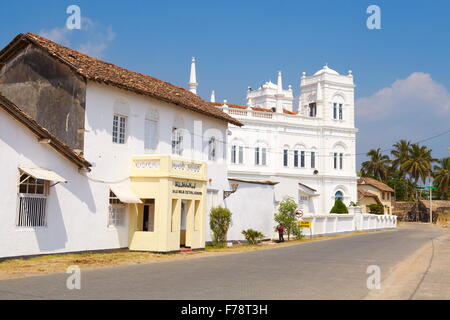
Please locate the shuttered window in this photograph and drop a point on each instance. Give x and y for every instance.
(151, 135)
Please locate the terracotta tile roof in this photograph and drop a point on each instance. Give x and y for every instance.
(364, 193)
(304, 185)
(106, 73)
(289, 112)
(436, 204)
(217, 104)
(264, 182)
(42, 133)
(261, 109)
(375, 183)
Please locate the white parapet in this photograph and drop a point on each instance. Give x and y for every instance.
(342, 223)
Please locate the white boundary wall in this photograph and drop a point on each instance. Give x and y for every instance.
(340, 223)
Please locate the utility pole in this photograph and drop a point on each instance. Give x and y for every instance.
(431, 202)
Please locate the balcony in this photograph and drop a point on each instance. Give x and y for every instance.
(249, 114)
(168, 166)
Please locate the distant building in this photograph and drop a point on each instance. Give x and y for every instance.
(371, 191)
(310, 151)
(95, 156)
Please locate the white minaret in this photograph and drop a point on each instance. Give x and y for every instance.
(279, 83)
(193, 79)
(213, 96)
(279, 93)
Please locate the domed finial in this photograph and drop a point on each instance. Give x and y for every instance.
(225, 102)
(350, 73)
(303, 74)
(290, 87)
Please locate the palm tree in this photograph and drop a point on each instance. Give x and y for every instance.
(418, 165)
(442, 176)
(377, 166)
(401, 154)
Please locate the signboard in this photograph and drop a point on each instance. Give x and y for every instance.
(305, 224)
(186, 187)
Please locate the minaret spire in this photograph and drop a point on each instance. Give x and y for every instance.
(279, 83)
(279, 94)
(193, 79)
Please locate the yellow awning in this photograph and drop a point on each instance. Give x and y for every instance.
(43, 174)
(125, 194)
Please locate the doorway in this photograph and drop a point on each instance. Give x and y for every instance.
(183, 222)
(148, 216)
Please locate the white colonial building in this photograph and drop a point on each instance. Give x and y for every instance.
(309, 151)
(96, 157)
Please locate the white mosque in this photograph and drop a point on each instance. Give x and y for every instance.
(309, 151)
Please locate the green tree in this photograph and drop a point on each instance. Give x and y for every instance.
(404, 187)
(219, 222)
(339, 207)
(378, 165)
(400, 154)
(376, 208)
(252, 236)
(286, 215)
(418, 165)
(442, 177)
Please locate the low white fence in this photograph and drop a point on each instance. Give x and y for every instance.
(339, 223)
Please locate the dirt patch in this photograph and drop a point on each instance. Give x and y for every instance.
(423, 275)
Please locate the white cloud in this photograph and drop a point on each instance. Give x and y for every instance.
(93, 39)
(58, 35)
(418, 92)
(413, 108)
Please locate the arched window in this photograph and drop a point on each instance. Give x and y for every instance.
(286, 156)
(237, 152)
(261, 154)
(177, 136)
(151, 131)
(212, 145)
(338, 107)
(177, 141)
(339, 196)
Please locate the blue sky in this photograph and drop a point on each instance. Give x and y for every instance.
(401, 71)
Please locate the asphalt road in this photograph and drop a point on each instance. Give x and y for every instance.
(329, 269)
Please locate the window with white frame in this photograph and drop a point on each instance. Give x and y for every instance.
(177, 141)
(312, 109)
(296, 158)
(335, 110)
(302, 202)
(32, 201)
(341, 111)
(237, 154)
(335, 159)
(212, 146)
(313, 159)
(260, 156)
(338, 160)
(286, 157)
(119, 129)
(302, 159)
(151, 135)
(116, 211)
(339, 195)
